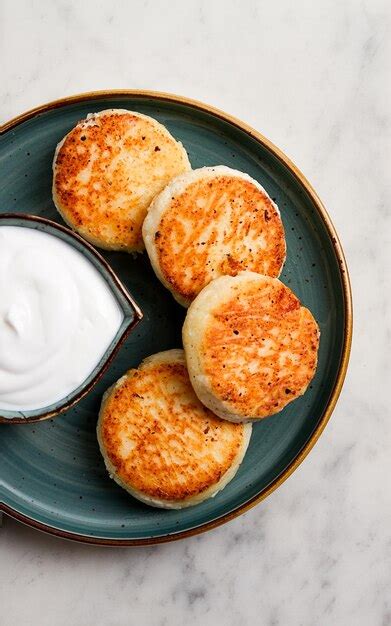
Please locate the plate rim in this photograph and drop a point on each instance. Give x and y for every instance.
(348, 309)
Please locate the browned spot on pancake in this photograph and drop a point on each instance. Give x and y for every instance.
(220, 225)
(107, 172)
(161, 440)
(259, 350)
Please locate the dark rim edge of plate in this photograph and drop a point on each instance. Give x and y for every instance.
(348, 310)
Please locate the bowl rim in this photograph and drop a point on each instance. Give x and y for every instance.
(128, 327)
(103, 95)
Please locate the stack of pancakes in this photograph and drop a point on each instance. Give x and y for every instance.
(174, 431)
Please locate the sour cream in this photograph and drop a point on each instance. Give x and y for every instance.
(57, 318)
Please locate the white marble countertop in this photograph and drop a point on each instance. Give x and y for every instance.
(314, 77)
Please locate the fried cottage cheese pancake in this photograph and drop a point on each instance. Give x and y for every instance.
(160, 443)
(107, 170)
(251, 348)
(210, 222)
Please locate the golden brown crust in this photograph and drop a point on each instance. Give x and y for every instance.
(218, 225)
(256, 348)
(159, 438)
(107, 171)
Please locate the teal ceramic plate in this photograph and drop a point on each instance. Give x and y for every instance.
(51, 473)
